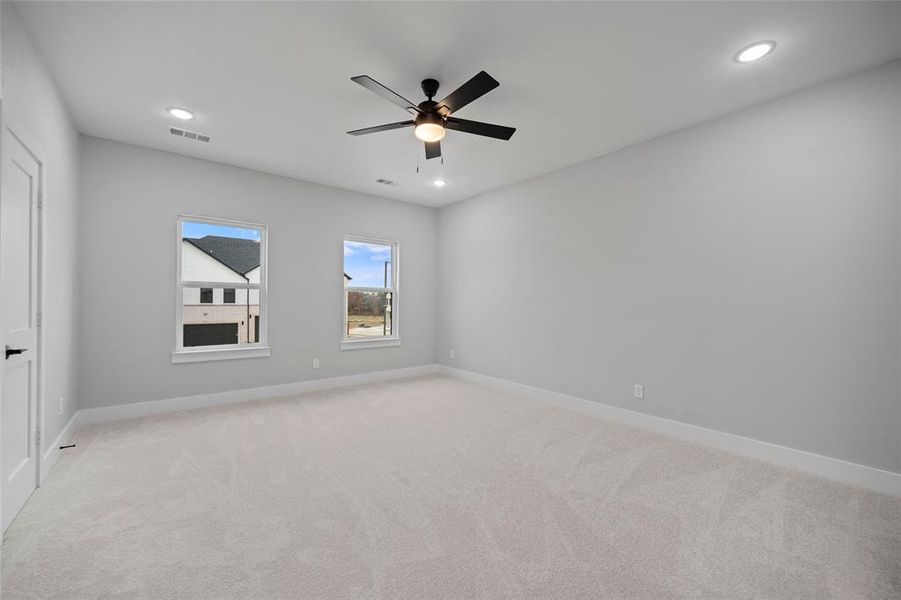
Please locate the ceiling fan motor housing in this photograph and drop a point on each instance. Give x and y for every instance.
(428, 117)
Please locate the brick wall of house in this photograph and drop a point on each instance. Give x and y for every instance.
(230, 313)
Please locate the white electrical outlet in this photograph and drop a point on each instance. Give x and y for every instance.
(638, 391)
(315, 363)
(60, 407)
(452, 354)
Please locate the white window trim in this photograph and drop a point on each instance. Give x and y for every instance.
(220, 353)
(384, 342)
(230, 351)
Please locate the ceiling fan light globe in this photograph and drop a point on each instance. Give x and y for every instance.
(429, 132)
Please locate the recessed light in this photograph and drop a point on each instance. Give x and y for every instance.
(755, 51)
(439, 183)
(181, 113)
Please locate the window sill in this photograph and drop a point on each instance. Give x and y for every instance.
(189, 356)
(363, 344)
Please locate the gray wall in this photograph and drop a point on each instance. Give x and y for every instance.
(131, 197)
(746, 271)
(31, 100)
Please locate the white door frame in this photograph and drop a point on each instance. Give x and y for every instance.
(23, 135)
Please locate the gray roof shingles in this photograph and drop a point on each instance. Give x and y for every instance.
(239, 255)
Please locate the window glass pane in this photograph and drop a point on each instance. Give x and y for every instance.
(368, 314)
(219, 253)
(218, 323)
(367, 264)
(206, 295)
(228, 295)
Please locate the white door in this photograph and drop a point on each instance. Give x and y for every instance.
(20, 181)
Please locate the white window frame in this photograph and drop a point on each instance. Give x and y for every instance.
(382, 342)
(226, 351)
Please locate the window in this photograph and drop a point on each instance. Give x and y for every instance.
(370, 294)
(221, 285)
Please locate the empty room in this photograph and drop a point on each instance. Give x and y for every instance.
(536, 300)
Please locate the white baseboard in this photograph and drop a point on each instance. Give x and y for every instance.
(885, 482)
(154, 407)
(51, 455)
(878, 480)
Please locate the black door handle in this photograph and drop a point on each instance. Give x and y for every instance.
(11, 351)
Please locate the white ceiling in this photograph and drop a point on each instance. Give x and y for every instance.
(270, 82)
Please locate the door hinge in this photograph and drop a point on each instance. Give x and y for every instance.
(39, 318)
(37, 437)
(40, 199)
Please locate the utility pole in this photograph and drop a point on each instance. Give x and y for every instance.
(385, 316)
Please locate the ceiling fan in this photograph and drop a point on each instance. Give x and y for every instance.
(431, 119)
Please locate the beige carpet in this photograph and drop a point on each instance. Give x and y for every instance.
(434, 488)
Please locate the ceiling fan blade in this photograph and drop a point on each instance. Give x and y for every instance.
(476, 87)
(379, 128)
(391, 96)
(477, 128)
(432, 150)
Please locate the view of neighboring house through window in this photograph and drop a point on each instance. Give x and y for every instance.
(370, 290)
(220, 284)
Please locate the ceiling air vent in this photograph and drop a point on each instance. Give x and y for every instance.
(191, 135)
(386, 182)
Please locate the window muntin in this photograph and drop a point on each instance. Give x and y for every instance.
(221, 286)
(370, 291)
